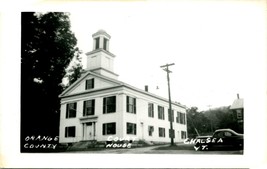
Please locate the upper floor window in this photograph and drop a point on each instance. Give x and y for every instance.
(109, 128)
(131, 105)
(89, 84)
(150, 110)
(180, 118)
(161, 132)
(71, 110)
(131, 128)
(88, 107)
(109, 104)
(161, 113)
(183, 118)
(70, 131)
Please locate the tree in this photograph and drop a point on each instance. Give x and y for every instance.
(47, 47)
(221, 117)
(206, 122)
(197, 123)
(73, 72)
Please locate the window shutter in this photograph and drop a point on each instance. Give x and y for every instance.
(158, 113)
(86, 84)
(84, 108)
(104, 105)
(127, 103)
(134, 105)
(67, 112)
(103, 129)
(66, 130)
(114, 128)
(163, 113)
(115, 104)
(75, 108)
(74, 131)
(152, 110)
(93, 106)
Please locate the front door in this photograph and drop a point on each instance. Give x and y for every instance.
(89, 131)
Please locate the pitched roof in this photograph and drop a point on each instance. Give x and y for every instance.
(237, 104)
(120, 83)
(83, 77)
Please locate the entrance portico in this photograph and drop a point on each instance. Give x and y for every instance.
(89, 127)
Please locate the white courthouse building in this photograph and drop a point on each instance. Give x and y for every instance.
(98, 105)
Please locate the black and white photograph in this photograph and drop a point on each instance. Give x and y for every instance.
(96, 112)
(178, 81)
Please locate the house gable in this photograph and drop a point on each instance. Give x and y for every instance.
(99, 82)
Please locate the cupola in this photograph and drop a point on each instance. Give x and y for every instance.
(100, 60)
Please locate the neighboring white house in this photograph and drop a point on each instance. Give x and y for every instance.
(98, 106)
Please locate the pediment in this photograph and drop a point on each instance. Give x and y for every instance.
(100, 82)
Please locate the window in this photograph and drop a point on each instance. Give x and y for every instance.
(170, 116)
(219, 134)
(182, 118)
(227, 134)
(161, 112)
(89, 84)
(161, 132)
(131, 105)
(239, 114)
(131, 128)
(109, 128)
(105, 44)
(70, 131)
(150, 130)
(109, 104)
(97, 40)
(88, 107)
(71, 110)
(150, 110)
(183, 134)
(178, 118)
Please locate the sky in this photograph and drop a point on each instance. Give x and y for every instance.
(213, 44)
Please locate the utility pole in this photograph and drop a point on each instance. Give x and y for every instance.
(170, 102)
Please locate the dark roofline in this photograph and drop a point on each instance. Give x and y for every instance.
(100, 50)
(84, 76)
(90, 91)
(152, 95)
(105, 70)
(120, 84)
